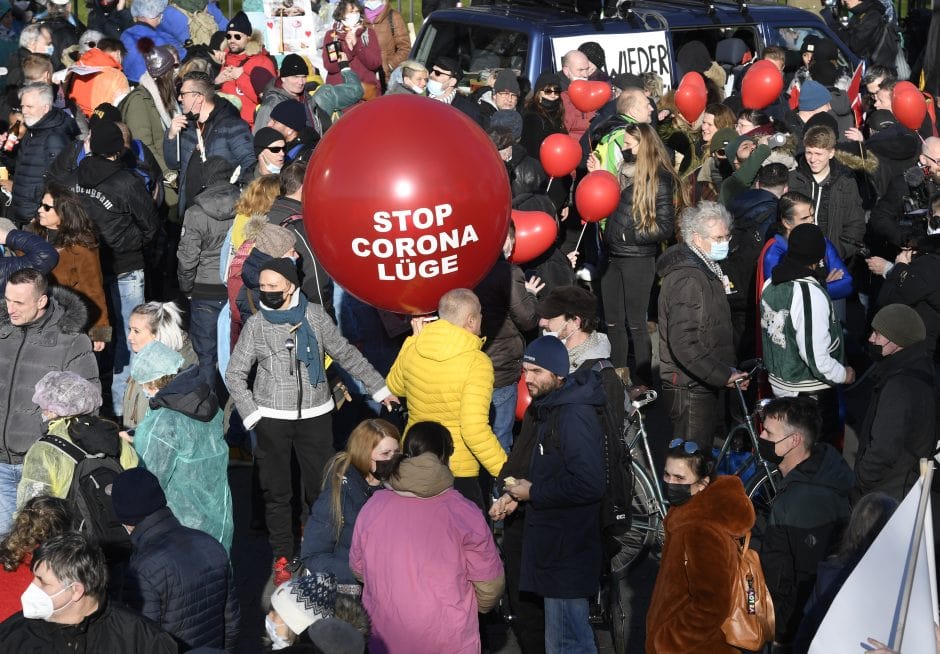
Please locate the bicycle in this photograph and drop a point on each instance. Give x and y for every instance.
(761, 478)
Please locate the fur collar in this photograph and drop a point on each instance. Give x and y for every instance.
(723, 504)
(66, 314)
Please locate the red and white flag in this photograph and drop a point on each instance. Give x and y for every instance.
(855, 92)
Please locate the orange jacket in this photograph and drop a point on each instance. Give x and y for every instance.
(91, 88)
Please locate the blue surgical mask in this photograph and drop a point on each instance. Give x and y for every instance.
(719, 251)
(435, 87)
(50, 49)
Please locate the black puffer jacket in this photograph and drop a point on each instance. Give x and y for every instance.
(56, 341)
(621, 235)
(508, 311)
(181, 579)
(888, 228)
(695, 337)
(899, 425)
(525, 172)
(205, 227)
(842, 215)
(112, 629)
(41, 145)
(917, 285)
(37, 254)
(866, 22)
(121, 209)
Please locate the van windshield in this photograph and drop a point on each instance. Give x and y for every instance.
(793, 39)
(476, 48)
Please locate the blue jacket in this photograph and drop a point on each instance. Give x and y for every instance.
(133, 62)
(837, 290)
(321, 551)
(225, 135)
(181, 579)
(37, 254)
(561, 549)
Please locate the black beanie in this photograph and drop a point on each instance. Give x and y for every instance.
(240, 23)
(806, 245)
(106, 138)
(284, 267)
(693, 57)
(135, 494)
(291, 113)
(294, 64)
(105, 111)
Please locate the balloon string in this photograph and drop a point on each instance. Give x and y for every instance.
(578, 244)
(549, 184)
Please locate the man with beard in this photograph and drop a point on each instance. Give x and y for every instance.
(560, 452)
(245, 53)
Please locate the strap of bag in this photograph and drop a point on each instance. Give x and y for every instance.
(70, 449)
(391, 23)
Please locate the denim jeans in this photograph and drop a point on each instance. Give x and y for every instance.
(503, 413)
(567, 628)
(204, 332)
(625, 288)
(125, 292)
(10, 475)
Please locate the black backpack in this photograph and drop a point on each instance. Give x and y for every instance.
(90, 493)
(616, 516)
(885, 52)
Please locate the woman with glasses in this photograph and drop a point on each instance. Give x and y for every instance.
(63, 222)
(544, 113)
(353, 44)
(643, 221)
(694, 588)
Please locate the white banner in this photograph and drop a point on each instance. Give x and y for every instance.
(869, 602)
(638, 52)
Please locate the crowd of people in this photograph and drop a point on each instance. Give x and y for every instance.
(166, 317)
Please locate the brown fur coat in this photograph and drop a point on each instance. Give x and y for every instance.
(692, 596)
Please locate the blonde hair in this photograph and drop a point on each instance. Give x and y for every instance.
(652, 162)
(258, 196)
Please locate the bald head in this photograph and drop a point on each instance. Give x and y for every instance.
(461, 307)
(575, 65)
(930, 157)
(635, 104)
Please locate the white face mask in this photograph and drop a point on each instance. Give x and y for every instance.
(271, 628)
(351, 20)
(374, 4)
(435, 87)
(37, 605)
(272, 169)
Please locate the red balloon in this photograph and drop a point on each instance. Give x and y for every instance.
(597, 196)
(589, 96)
(535, 233)
(560, 155)
(761, 85)
(396, 223)
(908, 105)
(523, 399)
(691, 97)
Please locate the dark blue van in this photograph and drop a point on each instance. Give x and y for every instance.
(644, 38)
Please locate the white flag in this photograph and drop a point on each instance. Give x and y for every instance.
(869, 602)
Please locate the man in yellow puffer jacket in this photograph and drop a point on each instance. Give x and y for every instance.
(446, 378)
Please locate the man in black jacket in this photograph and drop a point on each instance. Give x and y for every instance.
(898, 429)
(867, 22)
(178, 577)
(66, 608)
(126, 219)
(805, 521)
(49, 131)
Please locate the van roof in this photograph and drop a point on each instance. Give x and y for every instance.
(675, 14)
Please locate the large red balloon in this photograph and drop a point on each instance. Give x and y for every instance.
(523, 399)
(761, 85)
(908, 105)
(597, 195)
(691, 97)
(395, 222)
(560, 155)
(535, 233)
(588, 96)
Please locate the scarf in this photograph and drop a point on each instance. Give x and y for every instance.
(307, 350)
(373, 14)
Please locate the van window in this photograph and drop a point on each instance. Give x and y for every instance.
(791, 39)
(474, 47)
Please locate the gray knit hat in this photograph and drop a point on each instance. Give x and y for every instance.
(275, 240)
(65, 393)
(900, 324)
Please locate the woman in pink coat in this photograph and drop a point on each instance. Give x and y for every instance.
(425, 554)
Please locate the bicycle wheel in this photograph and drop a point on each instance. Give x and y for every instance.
(760, 492)
(618, 615)
(646, 527)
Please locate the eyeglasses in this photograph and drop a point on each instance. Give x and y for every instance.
(234, 36)
(507, 93)
(721, 239)
(46, 207)
(689, 447)
(183, 94)
(275, 148)
(551, 90)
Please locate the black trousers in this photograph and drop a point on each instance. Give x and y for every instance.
(528, 623)
(312, 440)
(626, 287)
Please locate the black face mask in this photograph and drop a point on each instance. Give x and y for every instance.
(875, 352)
(550, 104)
(273, 299)
(767, 449)
(677, 494)
(629, 156)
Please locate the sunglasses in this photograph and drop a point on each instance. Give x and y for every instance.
(690, 447)
(234, 36)
(276, 148)
(47, 207)
(552, 90)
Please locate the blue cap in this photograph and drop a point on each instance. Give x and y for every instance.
(550, 353)
(813, 95)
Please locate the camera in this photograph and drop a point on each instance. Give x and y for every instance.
(333, 48)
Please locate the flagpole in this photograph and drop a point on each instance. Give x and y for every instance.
(926, 475)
